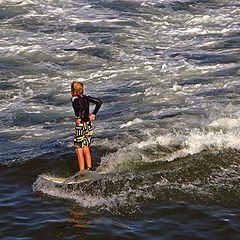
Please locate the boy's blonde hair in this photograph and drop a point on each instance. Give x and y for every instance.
(78, 87)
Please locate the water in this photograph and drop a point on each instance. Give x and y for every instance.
(166, 136)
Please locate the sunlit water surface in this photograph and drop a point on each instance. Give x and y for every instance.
(166, 138)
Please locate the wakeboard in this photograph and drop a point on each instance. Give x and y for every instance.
(79, 177)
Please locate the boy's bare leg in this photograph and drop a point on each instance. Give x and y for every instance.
(87, 156)
(80, 158)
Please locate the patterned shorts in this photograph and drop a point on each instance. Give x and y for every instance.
(83, 134)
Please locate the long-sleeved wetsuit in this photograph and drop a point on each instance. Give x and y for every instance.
(83, 130)
(80, 105)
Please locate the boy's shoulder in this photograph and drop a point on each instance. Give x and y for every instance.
(79, 97)
(74, 98)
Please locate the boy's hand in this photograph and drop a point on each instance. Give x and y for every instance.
(77, 121)
(92, 117)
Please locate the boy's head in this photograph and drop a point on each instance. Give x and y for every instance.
(77, 88)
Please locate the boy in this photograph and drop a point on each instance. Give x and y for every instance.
(83, 129)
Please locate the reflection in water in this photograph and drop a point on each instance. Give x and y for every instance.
(78, 217)
(77, 222)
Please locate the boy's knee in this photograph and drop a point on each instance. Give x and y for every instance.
(86, 149)
(79, 150)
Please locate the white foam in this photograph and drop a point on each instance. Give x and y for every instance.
(190, 144)
(135, 121)
(95, 199)
(160, 64)
(16, 2)
(226, 123)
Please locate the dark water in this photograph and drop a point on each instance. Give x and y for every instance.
(166, 138)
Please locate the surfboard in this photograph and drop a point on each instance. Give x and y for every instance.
(79, 177)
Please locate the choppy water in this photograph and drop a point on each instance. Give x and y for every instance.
(167, 135)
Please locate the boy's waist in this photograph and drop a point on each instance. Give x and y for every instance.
(83, 119)
(82, 123)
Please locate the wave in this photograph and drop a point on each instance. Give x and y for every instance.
(172, 146)
(198, 167)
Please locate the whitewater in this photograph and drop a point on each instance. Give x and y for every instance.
(167, 135)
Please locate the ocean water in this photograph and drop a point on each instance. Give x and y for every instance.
(167, 136)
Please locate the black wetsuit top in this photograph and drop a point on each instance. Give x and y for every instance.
(80, 105)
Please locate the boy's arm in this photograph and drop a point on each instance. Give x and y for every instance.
(98, 104)
(75, 105)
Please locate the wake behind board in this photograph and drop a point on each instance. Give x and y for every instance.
(75, 179)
